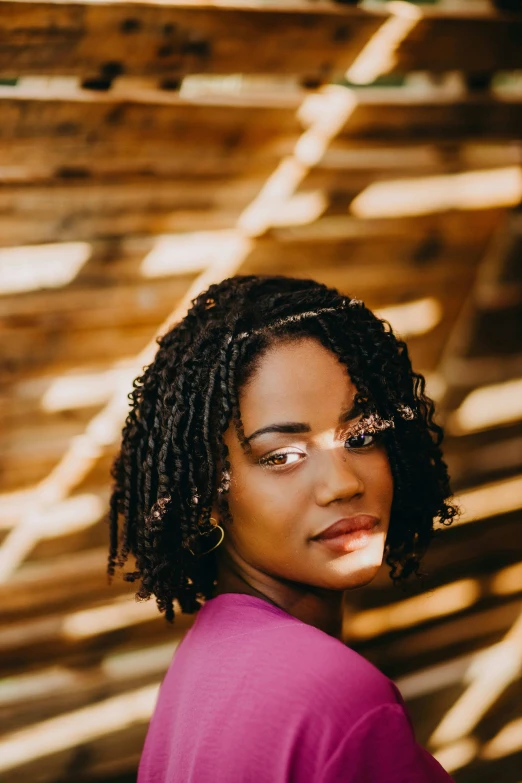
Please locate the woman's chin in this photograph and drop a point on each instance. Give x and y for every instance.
(357, 571)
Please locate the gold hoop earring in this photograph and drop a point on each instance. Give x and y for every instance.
(215, 525)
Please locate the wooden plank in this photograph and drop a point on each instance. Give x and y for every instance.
(455, 553)
(501, 457)
(13, 478)
(88, 133)
(112, 758)
(61, 211)
(90, 208)
(100, 304)
(398, 115)
(456, 37)
(421, 240)
(71, 581)
(396, 654)
(458, 228)
(341, 187)
(86, 38)
(365, 266)
(23, 401)
(112, 280)
(482, 371)
(96, 223)
(314, 40)
(59, 353)
(71, 688)
(405, 155)
(64, 636)
(78, 132)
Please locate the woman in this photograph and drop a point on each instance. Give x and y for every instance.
(279, 447)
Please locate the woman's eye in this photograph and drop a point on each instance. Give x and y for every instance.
(360, 441)
(281, 459)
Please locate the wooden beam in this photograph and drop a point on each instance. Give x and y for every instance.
(67, 582)
(500, 455)
(451, 37)
(401, 652)
(453, 228)
(171, 40)
(86, 209)
(82, 133)
(371, 268)
(318, 40)
(58, 636)
(97, 208)
(454, 553)
(112, 756)
(71, 688)
(64, 132)
(398, 115)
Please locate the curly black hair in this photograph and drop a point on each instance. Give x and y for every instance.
(173, 465)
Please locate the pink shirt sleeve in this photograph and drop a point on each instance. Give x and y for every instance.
(382, 747)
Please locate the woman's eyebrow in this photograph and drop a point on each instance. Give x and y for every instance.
(293, 427)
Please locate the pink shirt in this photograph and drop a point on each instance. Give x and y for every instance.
(254, 695)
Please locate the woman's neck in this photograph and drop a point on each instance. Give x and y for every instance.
(315, 606)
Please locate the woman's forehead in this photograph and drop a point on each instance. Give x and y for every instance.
(297, 376)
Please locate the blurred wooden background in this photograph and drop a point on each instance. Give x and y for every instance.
(147, 149)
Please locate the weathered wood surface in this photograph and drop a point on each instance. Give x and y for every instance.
(96, 208)
(26, 644)
(461, 40)
(170, 41)
(78, 209)
(90, 134)
(315, 40)
(396, 116)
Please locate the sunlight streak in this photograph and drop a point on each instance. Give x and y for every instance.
(41, 266)
(488, 676)
(77, 728)
(379, 54)
(423, 195)
(488, 406)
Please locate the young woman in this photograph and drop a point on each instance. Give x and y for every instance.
(278, 449)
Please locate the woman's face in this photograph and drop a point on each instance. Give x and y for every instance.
(293, 485)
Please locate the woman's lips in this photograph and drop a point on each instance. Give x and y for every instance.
(348, 525)
(348, 535)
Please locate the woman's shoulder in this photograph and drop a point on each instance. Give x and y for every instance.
(325, 668)
(258, 642)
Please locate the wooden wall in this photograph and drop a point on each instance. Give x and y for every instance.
(147, 149)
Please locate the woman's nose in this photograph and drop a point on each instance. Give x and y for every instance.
(336, 477)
